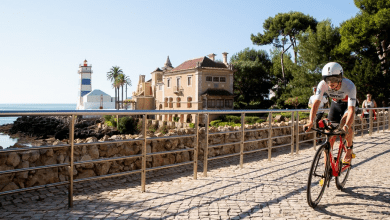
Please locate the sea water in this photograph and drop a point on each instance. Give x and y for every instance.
(5, 140)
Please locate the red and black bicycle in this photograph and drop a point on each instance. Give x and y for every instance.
(325, 166)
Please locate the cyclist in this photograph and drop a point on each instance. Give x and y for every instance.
(342, 91)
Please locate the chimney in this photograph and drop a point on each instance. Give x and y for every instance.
(224, 54)
(212, 56)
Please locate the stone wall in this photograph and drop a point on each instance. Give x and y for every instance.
(35, 158)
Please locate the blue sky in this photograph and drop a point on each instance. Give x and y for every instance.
(43, 42)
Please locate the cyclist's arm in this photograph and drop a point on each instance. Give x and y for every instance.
(313, 113)
(350, 117)
(351, 107)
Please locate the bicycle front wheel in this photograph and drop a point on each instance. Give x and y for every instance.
(318, 177)
(341, 179)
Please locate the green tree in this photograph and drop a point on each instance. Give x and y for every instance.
(368, 33)
(283, 29)
(316, 48)
(111, 76)
(368, 78)
(252, 76)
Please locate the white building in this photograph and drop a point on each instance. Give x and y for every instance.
(97, 99)
(88, 99)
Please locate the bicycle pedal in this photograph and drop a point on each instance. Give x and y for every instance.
(353, 155)
(321, 182)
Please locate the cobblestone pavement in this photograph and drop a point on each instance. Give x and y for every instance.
(261, 190)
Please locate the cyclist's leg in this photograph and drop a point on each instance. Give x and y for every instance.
(336, 110)
(348, 138)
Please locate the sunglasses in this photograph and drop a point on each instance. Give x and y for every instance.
(332, 79)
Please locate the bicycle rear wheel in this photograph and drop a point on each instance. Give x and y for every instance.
(341, 179)
(318, 177)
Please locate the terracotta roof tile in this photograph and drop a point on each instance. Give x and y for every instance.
(189, 64)
(204, 62)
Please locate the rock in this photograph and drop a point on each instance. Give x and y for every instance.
(94, 152)
(62, 178)
(112, 149)
(10, 186)
(6, 178)
(48, 160)
(13, 159)
(49, 152)
(23, 175)
(18, 145)
(3, 159)
(25, 155)
(58, 142)
(115, 137)
(86, 158)
(60, 158)
(34, 156)
(104, 138)
(44, 176)
(84, 150)
(103, 168)
(91, 139)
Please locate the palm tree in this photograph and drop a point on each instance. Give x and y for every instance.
(120, 81)
(127, 83)
(111, 76)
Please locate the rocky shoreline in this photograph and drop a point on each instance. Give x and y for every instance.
(44, 130)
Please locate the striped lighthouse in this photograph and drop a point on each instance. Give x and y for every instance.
(85, 72)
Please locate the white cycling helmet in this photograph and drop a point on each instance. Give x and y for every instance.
(332, 69)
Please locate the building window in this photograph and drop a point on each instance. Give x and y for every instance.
(169, 82)
(219, 103)
(178, 82)
(178, 102)
(222, 79)
(228, 103)
(166, 102)
(189, 100)
(211, 103)
(159, 87)
(189, 80)
(215, 79)
(170, 102)
(204, 102)
(209, 79)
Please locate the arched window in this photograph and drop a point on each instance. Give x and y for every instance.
(170, 102)
(166, 102)
(178, 102)
(189, 102)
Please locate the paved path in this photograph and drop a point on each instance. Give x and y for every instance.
(261, 190)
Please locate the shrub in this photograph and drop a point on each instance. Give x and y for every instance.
(163, 129)
(251, 120)
(192, 125)
(108, 123)
(110, 120)
(128, 125)
(215, 123)
(260, 120)
(232, 118)
(107, 117)
(176, 119)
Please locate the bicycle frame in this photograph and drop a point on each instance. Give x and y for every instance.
(336, 163)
